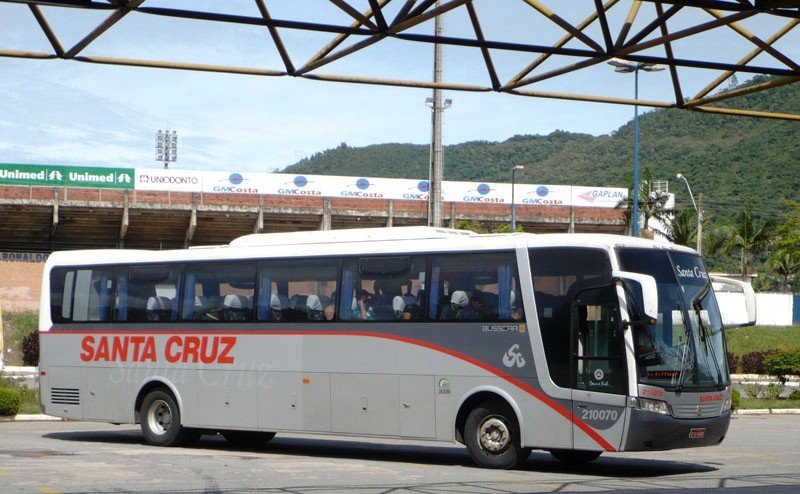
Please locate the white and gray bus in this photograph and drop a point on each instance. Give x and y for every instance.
(576, 344)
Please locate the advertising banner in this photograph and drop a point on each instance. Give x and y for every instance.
(488, 193)
(542, 195)
(66, 176)
(235, 183)
(162, 179)
(598, 197)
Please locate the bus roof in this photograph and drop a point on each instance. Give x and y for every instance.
(416, 239)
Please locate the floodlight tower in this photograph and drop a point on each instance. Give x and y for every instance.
(167, 147)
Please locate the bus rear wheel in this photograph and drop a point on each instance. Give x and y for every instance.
(247, 439)
(492, 436)
(161, 420)
(574, 457)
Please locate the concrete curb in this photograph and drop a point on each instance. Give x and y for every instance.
(30, 417)
(768, 411)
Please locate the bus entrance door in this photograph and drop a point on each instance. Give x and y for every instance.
(599, 380)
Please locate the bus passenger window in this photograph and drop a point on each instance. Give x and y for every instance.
(297, 290)
(147, 293)
(86, 295)
(476, 287)
(219, 292)
(383, 289)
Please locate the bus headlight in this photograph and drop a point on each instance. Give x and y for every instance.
(726, 405)
(655, 406)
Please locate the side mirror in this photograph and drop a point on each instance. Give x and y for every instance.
(736, 300)
(644, 291)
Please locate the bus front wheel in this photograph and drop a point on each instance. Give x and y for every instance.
(492, 436)
(161, 420)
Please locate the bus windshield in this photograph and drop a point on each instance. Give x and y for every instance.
(686, 347)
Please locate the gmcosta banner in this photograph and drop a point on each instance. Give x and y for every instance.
(66, 176)
(350, 187)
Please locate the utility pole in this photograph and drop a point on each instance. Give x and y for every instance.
(437, 108)
(700, 223)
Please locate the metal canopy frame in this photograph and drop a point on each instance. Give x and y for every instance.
(373, 25)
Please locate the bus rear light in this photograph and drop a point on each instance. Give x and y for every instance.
(655, 406)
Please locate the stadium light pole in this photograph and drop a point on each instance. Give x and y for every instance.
(513, 202)
(698, 210)
(167, 147)
(626, 67)
(435, 170)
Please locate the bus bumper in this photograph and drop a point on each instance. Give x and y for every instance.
(650, 431)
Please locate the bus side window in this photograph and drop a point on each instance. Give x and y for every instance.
(86, 295)
(297, 290)
(147, 293)
(217, 292)
(383, 288)
(476, 287)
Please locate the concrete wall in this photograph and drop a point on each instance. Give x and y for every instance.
(20, 285)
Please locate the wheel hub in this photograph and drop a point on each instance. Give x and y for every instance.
(494, 435)
(159, 417)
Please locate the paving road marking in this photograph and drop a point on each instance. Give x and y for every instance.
(48, 490)
(5, 473)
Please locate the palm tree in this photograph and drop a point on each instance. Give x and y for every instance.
(651, 202)
(786, 265)
(683, 228)
(746, 234)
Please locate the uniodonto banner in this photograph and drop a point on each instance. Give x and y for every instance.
(66, 176)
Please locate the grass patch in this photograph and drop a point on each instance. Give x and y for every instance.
(30, 402)
(757, 404)
(761, 338)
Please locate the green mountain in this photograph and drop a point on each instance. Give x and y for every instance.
(732, 160)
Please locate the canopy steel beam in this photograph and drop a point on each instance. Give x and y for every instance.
(641, 27)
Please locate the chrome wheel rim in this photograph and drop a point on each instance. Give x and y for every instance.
(494, 435)
(159, 417)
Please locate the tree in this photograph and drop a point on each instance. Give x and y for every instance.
(785, 264)
(683, 228)
(746, 234)
(651, 202)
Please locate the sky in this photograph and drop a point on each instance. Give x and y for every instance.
(65, 112)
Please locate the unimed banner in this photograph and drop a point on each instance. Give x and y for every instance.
(66, 176)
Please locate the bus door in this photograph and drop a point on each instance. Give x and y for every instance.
(599, 379)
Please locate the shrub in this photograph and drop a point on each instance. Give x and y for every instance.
(795, 395)
(753, 362)
(733, 363)
(773, 391)
(9, 402)
(736, 399)
(30, 349)
(783, 364)
(751, 390)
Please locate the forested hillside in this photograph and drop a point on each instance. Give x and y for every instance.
(731, 160)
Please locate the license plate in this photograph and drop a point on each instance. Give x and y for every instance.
(697, 433)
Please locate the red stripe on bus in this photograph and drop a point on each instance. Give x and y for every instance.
(511, 379)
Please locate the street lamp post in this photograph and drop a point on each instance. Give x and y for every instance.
(698, 210)
(167, 147)
(626, 67)
(513, 202)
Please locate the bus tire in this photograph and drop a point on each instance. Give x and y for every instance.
(248, 439)
(492, 436)
(161, 420)
(575, 457)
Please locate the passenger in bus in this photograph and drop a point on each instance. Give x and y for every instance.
(275, 308)
(314, 308)
(330, 308)
(412, 312)
(459, 303)
(364, 309)
(159, 309)
(235, 308)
